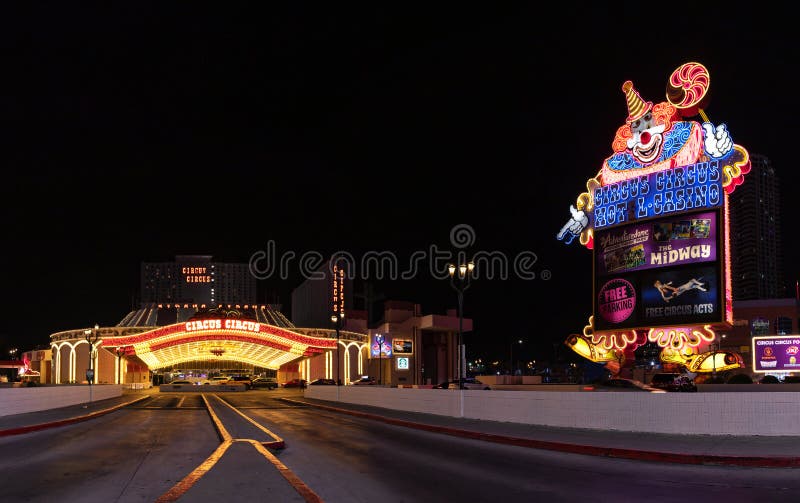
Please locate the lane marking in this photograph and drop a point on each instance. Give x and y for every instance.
(302, 489)
(179, 489)
(217, 423)
(277, 442)
(188, 481)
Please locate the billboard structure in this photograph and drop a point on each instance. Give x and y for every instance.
(776, 354)
(656, 217)
(669, 269)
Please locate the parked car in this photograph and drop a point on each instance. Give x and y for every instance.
(181, 381)
(241, 379)
(622, 384)
(363, 380)
(295, 383)
(673, 381)
(215, 380)
(326, 382)
(467, 383)
(264, 382)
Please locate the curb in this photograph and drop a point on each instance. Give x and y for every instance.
(63, 422)
(610, 452)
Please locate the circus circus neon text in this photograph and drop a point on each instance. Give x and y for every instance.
(664, 192)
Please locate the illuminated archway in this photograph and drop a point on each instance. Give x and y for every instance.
(249, 342)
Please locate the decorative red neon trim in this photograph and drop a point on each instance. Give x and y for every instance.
(219, 337)
(179, 328)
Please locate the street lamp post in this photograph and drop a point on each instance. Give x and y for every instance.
(337, 320)
(91, 337)
(511, 356)
(460, 282)
(12, 354)
(379, 338)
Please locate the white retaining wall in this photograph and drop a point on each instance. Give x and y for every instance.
(31, 399)
(731, 413)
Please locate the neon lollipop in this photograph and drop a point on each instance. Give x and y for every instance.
(687, 89)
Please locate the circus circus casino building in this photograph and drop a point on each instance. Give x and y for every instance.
(196, 339)
(656, 217)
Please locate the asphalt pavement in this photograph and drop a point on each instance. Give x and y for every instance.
(754, 450)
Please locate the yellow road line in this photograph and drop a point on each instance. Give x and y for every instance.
(276, 443)
(217, 423)
(187, 482)
(306, 492)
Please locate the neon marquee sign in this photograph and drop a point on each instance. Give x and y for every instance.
(661, 193)
(657, 219)
(227, 324)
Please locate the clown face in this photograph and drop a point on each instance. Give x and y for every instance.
(647, 139)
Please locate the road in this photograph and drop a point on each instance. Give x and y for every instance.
(147, 452)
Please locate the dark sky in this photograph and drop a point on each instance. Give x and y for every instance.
(134, 132)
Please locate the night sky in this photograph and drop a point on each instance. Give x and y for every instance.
(135, 132)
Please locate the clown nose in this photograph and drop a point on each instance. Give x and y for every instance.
(645, 138)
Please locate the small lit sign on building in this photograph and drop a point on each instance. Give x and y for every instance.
(776, 353)
(402, 363)
(403, 346)
(381, 348)
(196, 274)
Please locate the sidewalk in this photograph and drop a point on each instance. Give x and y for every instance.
(18, 424)
(755, 451)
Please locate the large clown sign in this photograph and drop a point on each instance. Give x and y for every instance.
(656, 217)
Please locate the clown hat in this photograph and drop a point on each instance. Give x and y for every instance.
(637, 107)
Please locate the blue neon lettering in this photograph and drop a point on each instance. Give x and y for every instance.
(714, 195)
(679, 189)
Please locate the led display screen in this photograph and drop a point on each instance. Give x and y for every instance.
(659, 272)
(657, 243)
(681, 295)
(776, 354)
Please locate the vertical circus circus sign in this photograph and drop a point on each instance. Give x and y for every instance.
(656, 216)
(337, 293)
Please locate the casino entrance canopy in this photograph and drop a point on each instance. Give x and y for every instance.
(227, 339)
(161, 336)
